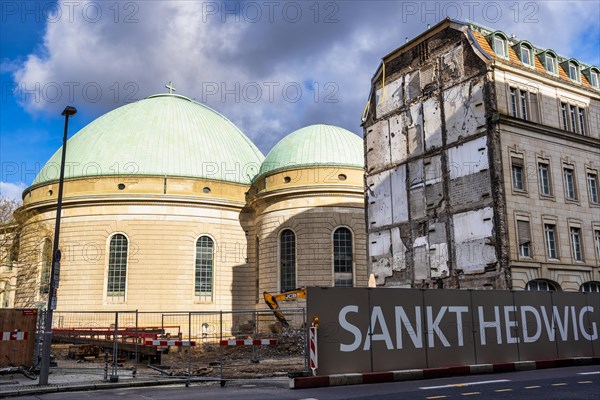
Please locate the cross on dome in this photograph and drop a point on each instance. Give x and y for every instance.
(170, 87)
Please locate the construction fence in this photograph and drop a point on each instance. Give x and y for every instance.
(214, 345)
(18, 333)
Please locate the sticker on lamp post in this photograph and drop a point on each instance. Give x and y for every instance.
(53, 304)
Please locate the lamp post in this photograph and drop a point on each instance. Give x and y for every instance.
(55, 269)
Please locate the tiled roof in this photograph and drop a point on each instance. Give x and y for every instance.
(515, 61)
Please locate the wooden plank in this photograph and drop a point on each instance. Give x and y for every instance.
(20, 352)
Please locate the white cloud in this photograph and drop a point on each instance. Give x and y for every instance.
(12, 190)
(187, 42)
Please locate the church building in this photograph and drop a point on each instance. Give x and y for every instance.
(168, 206)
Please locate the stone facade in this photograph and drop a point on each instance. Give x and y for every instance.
(440, 135)
(313, 204)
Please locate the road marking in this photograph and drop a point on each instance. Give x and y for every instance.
(503, 390)
(463, 384)
(584, 382)
(470, 393)
(532, 387)
(589, 373)
(559, 384)
(436, 397)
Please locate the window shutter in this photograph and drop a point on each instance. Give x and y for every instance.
(523, 232)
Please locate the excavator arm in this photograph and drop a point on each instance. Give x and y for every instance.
(272, 301)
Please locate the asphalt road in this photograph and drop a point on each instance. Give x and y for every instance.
(560, 383)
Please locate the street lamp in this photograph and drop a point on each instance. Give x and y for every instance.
(55, 269)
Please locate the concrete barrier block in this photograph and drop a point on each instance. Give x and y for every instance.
(408, 375)
(345, 379)
(525, 365)
(482, 369)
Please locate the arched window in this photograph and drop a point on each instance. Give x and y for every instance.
(4, 294)
(542, 285)
(203, 287)
(549, 61)
(45, 266)
(574, 71)
(594, 77)
(117, 267)
(499, 43)
(342, 258)
(590, 287)
(526, 53)
(287, 260)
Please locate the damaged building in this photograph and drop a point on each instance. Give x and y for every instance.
(482, 159)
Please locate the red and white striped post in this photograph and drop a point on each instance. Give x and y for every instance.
(314, 359)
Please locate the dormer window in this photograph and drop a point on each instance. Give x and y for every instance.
(574, 71)
(550, 63)
(526, 55)
(592, 74)
(500, 44)
(594, 79)
(525, 51)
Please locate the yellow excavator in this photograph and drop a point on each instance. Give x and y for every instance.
(290, 295)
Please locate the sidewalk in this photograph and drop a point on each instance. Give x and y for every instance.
(70, 380)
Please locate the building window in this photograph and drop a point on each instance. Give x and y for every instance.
(565, 116)
(4, 294)
(257, 268)
(523, 96)
(541, 285)
(500, 46)
(544, 176)
(342, 258)
(550, 234)
(573, 72)
(581, 113)
(597, 243)
(287, 254)
(203, 282)
(592, 180)
(526, 56)
(524, 237)
(46, 266)
(518, 177)
(576, 244)
(590, 287)
(573, 116)
(594, 79)
(513, 102)
(570, 188)
(550, 62)
(523, 104)
(117, 266)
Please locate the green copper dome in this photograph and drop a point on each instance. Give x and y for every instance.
(164, 135)
(315, 145)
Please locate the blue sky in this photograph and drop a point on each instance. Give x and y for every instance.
(99, 55)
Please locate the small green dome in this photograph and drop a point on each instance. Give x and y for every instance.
(315, 145)
(162, 135)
